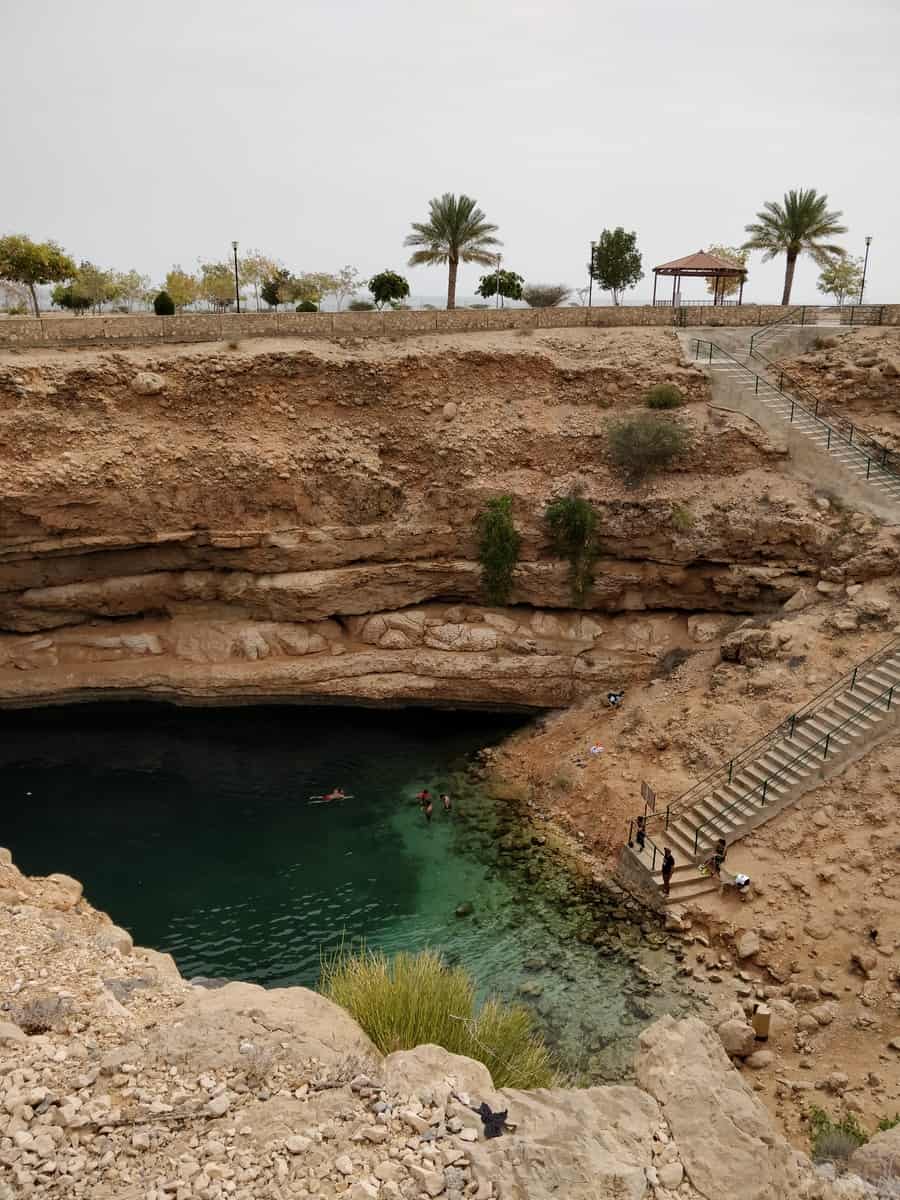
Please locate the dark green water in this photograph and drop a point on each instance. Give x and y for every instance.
(193, 829)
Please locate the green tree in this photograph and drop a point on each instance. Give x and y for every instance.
(312, 286)
(801, 225)
(510, 285)
(164, 305)
(456, 231)
(277, 287)
(387, 287)
(498, 549)
(255, 268)
(183, 287)
(133, 287)
(216, 284)
(732, 254)
(343, 284)
(31, 263)
(616, 262)
(841, 278)
(64, 295)
(95, 285)
(544, 295)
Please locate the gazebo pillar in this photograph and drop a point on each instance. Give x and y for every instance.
(674, 285)
(741, 292)
(655, 281)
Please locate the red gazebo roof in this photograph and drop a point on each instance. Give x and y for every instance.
(700, 263)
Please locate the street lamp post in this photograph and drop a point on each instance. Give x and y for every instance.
(862, 286)
(497, 302)
(591, 275)
(237, 288)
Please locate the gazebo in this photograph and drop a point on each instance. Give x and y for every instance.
(700, 266)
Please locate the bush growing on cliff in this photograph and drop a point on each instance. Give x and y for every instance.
(834, 1141)
(413, 999)
(163, 305)
(664, 395)
(572, 523)
(644, 444)
(498, 549)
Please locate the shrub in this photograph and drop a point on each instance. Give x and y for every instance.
(834, 1141)
(360, 306)
(664, 395)
(644, 444)
(413, 999)
(306, 306)
(682, 517)
(41, 1014)
(887, 1123)
(498, 549)
(545, 295)
(163, 305)
(572, 523)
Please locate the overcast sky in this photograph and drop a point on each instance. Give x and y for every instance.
(145, 134)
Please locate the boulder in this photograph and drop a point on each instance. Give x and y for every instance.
(148, 383)
(570, 1145)
(213, 1022)
(747, 944)
(759, 1060)
(63, 892)
(449, 411)
(749, 646)
(429, 1070)
(737, 1037)
(111, 937)
(878, 1157)
(724, 1136)
(865, 961)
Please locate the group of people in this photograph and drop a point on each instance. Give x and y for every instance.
(713, 865)
(426, 803)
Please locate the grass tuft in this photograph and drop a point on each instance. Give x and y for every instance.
(413, 999)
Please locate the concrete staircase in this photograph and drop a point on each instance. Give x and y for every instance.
(834, 729)
(753, 381)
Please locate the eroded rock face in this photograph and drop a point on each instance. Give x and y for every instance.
(304, 524)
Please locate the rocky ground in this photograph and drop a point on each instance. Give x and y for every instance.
(120, 1081)
(858, 375)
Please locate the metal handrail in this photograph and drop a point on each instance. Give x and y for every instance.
(795, 404)
(838, 422)
(767, 329)
(782, 731)
(826, 738)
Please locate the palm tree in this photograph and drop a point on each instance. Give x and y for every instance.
(456, 231)
(797, 226)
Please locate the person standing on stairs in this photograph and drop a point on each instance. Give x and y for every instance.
(668, 866)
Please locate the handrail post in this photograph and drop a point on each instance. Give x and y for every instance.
(710, 351)
(851, 433)
(828, 443)
(765, 789)
(816, 409)
(781, 382)
(792, 412)
(730, 769)
(853, 680)
(803, 315)
(793, 723)
(827, 740)
(890, 695)
(631, 833)
(667, 816)
(756, 391)
(868, 467)
(851, 314)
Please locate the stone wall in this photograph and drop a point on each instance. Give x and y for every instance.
(21, 332)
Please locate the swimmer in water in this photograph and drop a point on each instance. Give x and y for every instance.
(335, 794)
(423, 797)
(428, 809)
(445, 800)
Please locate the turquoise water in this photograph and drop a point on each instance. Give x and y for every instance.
(194, 829)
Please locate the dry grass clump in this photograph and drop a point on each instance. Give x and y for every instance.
(413, 999)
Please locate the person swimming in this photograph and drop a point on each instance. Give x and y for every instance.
(423, 797)
(445, 800)
(334, 794)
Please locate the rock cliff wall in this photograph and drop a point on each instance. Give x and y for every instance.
(299, 522)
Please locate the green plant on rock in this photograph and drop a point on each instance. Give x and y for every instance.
(498, 549)
(682, 517)
(644, 444)
(413, 999)
(664, 395)
(834, 1141)
(572, 523)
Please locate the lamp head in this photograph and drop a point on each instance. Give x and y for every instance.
(234, 245)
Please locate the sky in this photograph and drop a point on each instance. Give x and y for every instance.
(147, 134)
